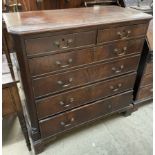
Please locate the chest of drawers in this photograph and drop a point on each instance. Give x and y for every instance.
(143, 89)
(76, 65)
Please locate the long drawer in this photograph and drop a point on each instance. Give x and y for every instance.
(51, 43)
(146, 79)
(84, 114)
(67, 100)
(57, 83)
(65, 60)
(145, 92)
(124, 32)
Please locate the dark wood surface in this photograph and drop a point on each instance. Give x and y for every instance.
(60, 42)
(144, 81)
(145, 70)
(41, 21)
(124, 32)
(145, 86)
(80, 96)
(118, 49)
(51, 84)
(7, 106)
(60, 61)
(55, 92)
(83, 114)
(11, 102)
(79, 58)
(145, 92)
(147, 79)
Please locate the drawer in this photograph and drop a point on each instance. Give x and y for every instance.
(50, 63)
(125, 32)
(147, 79)
(59, 42)
(145, 92)
(84, 114)
(118, 49)
(63, 81)
(74, 98)
(148, 68)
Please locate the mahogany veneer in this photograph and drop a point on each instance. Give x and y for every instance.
(76, 65)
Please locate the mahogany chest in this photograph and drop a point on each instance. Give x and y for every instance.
(144, 81)
(76, 65)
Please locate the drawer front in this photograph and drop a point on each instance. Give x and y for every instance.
(125, 32)
(59, 42)
(84, 114)
(148, 68)
(74, 98)
(60, 61)
(118, 49)
(147, 79)
(145, 92)
(67, 60)
(67, 80)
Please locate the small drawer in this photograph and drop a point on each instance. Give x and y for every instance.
(63, 81)
(145, 92)
(146, 79)
(59, 42)
(83, 95)
(125, 32)
(61, 61)
(118, 49)
(148, 68)
(84, 114)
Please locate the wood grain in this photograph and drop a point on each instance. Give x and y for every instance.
(41, 21)
(83, 114)
(43, 36)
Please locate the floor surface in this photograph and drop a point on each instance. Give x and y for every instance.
(114, 135)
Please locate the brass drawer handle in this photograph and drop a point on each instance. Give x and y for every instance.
(124, 35)
(66, 105)
(65, 85)
(120, 52)
(64, 66)
(67, 124)
(63, 43)
(117, 88)
(119, 70)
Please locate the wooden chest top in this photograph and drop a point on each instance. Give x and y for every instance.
(51, 20)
